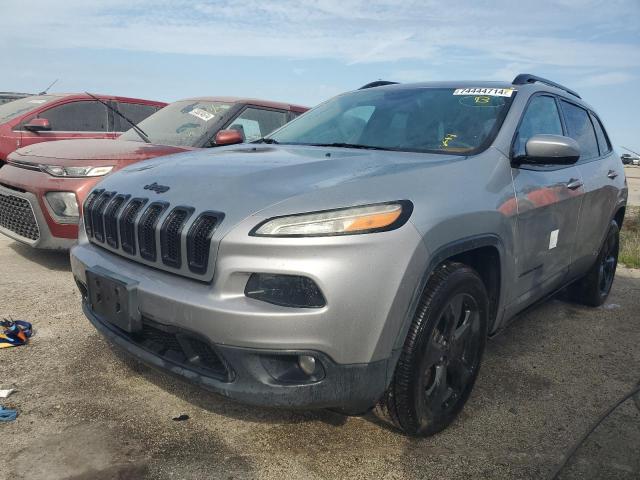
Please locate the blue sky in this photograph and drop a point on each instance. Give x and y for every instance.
(307, 51)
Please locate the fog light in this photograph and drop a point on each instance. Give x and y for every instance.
(307, 364)
(285, 290)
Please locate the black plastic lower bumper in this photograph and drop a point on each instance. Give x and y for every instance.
(352, 388)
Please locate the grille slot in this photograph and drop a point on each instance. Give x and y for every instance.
(171, 236)
(17, 216)
(97, 215)
(86, 210)
(111, 220)
(199, 240)
(127, 224)
(147, 230)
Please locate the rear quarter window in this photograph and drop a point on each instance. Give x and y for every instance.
(603, 140)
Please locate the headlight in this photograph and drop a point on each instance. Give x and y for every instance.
(57, 171)
(63, 206)
(344, 221)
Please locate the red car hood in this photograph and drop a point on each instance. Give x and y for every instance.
(99, 152)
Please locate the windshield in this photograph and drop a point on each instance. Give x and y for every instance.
(440, 120)
(16, 108)
(181, 123)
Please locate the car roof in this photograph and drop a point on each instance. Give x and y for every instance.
(250, 101)
(102, 96)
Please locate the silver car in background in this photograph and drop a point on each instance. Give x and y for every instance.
(361, 255)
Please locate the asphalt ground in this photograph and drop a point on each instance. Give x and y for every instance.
(87, 411)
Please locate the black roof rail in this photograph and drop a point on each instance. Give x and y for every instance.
(525, 78)
(377, 83)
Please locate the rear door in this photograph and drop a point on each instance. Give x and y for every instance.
(603, 177)
(71, 120)
(136, 112)
(548, 200)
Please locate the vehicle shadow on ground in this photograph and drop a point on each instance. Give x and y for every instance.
(57, 260)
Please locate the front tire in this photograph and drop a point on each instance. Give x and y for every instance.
(441, 355)
(593, 289)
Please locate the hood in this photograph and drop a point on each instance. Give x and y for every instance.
(240, 181)
(79, 152)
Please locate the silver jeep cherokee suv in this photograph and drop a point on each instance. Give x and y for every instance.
(361, 255)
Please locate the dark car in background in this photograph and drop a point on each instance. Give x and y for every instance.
(43, 185)
(6, 97)
(63, 116)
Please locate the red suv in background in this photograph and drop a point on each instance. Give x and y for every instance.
(63, 116)
(43, 186)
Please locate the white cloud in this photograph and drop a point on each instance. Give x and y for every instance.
(351, 31)
(604, 79)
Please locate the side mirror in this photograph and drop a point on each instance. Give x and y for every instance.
(38, 125)
(550, 150)
(228, 137)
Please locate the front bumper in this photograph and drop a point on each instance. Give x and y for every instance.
(39, 236)
(353, 388)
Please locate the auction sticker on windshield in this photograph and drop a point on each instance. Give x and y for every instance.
(202, 114)
(493, 92)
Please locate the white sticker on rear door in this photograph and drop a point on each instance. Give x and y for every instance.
(553, 239)
(202, 114)
(492, 92)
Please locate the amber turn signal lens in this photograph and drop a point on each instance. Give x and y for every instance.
(375, 221)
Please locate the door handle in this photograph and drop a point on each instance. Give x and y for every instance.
(574, 184)
(612, 174)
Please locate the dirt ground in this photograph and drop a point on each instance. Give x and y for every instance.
(89, 412)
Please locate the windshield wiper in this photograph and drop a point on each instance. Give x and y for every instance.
(137, 129)
(267, 140)
(348, 145)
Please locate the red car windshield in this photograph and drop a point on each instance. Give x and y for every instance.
(180, 124)
(11, 110)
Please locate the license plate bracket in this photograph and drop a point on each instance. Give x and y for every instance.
(114, 299)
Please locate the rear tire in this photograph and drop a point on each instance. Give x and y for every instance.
(593, 289)
(440, 359)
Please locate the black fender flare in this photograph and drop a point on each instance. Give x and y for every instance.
(436, 258)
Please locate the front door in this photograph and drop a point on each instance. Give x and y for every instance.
(549, 200)
(71, 120)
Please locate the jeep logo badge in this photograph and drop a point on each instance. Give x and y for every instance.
(156, 188)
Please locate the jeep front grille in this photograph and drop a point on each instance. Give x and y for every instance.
(171, 235)
(17, 216)
(147, 230)
(127, 225)
(199, 239)
(152, 233)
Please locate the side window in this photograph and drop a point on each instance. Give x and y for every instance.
(603, 141)
(255, 123)
(541, 117)
(136, 112)
(83, 116)
(580, 129)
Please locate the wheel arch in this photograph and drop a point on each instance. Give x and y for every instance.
(484, 253)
